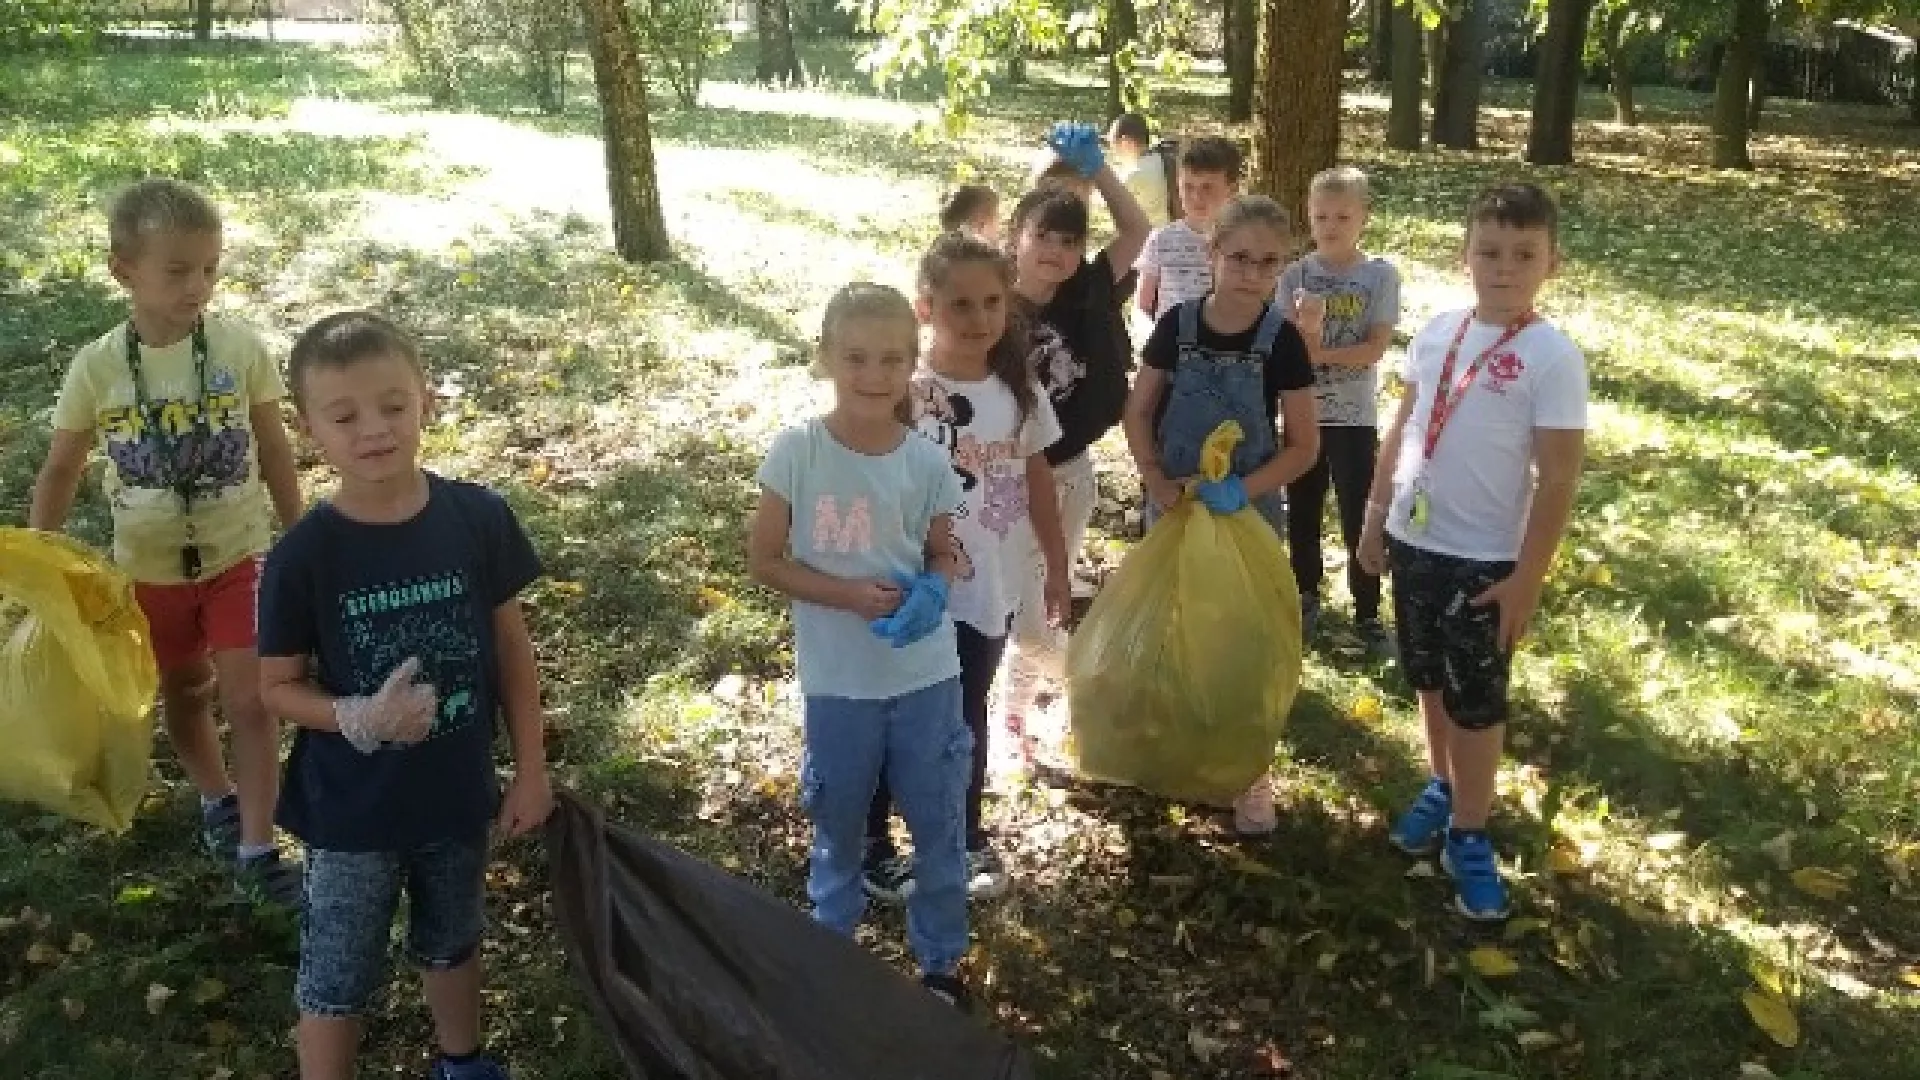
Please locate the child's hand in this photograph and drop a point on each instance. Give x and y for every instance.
(401, 711)
(919, 614)
(1310, 308)
(1163, 491)
(1517, 597)
(872, 599)
(528, 801)
(1372, 547)
(1078, 145)
(1058, 592)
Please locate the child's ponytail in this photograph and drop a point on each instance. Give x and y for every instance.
(1010, 359)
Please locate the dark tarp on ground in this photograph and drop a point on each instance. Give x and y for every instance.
(696, 974)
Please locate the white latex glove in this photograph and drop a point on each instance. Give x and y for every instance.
(400, 711)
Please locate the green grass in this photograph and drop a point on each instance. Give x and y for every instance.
(1727, 655)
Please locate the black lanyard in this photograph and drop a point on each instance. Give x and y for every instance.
(177, 473)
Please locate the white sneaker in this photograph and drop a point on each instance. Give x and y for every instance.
(1253, 813)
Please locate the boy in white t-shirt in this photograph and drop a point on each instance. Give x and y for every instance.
(1176, 265)
(1470, 498)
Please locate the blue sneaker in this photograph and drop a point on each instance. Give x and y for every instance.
(1478, 892)
(1418, 830)
(478, 1067)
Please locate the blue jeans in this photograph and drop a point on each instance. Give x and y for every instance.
(927, 751)
(351, 900)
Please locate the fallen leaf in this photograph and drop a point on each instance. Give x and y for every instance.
(1819, 881)
(1666, 841)
(1780, 849)
(208, 991)
(1365, 709)
(41, 954)
(1204, 1046)
(1420, 871)
(539, 472)
(1774, 1016)
(1519, 928)
(1489, 962)
(1911, 976)
(80, 944)
(221, 1033)
(1753, 1070)
(1269, 1061)
(74, 1009)
(158, 994)
(1768, 977)
(1536, 1040)
(1565, 861)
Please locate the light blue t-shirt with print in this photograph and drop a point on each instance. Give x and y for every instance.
(861, 516)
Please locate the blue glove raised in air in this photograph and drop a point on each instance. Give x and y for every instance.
(1078, 145)
(1224, 496)
(919, 614)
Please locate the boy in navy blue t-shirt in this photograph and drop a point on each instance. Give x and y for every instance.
(391, 634)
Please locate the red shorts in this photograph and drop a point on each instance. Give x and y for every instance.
(193, 618)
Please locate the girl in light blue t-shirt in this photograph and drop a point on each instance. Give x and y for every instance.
(855, 524)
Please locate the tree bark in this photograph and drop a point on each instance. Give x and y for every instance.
(1436, 39)
(1456, 101)
(1733, 97)
(203, 20)
(1757, 104)
(1613, 42)
(1380, 37)
(778, 61)
(1123, 30)
(1913, 85)
(639, 228)
(1405, 121)
(1556, 86)
(1297, 98)
(1242, 47)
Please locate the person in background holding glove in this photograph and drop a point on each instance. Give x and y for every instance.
(1229, 356)
(855, 524)
(391, 634)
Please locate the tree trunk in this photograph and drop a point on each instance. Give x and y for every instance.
(1298, 98)
(1436, 60)
(1913, 87)
(1404, 119)
(639, 228)
(1123, 31)
(1733, 97)
(1757, 104)
(778, 60)
(1556, 87)
(1017, 57)
(1380, 32)
(1242, 47)
(1456, 101)
(1613, 42)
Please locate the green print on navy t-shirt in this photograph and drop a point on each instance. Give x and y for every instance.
(426, 618)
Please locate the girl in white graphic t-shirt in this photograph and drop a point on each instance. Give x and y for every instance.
(976, 398)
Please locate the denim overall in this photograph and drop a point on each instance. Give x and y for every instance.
(1211, 387)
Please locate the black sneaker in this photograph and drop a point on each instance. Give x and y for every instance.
(948, 988)
(986, 874)
(887, 877)
(270, 880)
(1309, 616)
(220, 829)
(1375, 639)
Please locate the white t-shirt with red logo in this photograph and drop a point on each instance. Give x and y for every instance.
(1479, 483)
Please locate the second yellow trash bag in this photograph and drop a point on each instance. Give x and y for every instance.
(1182, 675)
(77, 680)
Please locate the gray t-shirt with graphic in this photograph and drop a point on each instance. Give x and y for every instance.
(1359, 297)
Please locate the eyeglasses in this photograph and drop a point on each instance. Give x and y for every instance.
(1247, 264)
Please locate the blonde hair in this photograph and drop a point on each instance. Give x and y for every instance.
(1343, 180)
(155, 206)
(1244, 210)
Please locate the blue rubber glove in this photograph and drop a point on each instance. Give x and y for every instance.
(1078, 145)
(919, 614)
(1225, 496)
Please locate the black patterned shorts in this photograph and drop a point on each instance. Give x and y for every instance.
(1447, 644)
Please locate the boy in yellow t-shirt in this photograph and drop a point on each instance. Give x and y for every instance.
(185, 407)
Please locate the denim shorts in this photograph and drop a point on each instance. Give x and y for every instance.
(351, 900)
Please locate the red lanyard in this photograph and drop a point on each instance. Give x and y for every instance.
(1444, 403)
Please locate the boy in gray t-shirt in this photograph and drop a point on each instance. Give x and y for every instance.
(1346, 304)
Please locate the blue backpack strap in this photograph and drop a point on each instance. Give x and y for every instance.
(1190, 324)
(1269, 332)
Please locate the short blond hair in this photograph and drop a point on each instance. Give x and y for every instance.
(1343, 180)
(157, 205)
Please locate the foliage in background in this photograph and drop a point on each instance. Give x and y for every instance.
(34, 23)
(682, 38)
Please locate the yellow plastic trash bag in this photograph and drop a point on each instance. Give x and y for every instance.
(77, 679)
(1181, 677)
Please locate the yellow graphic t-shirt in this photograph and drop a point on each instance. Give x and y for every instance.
(206, 439)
